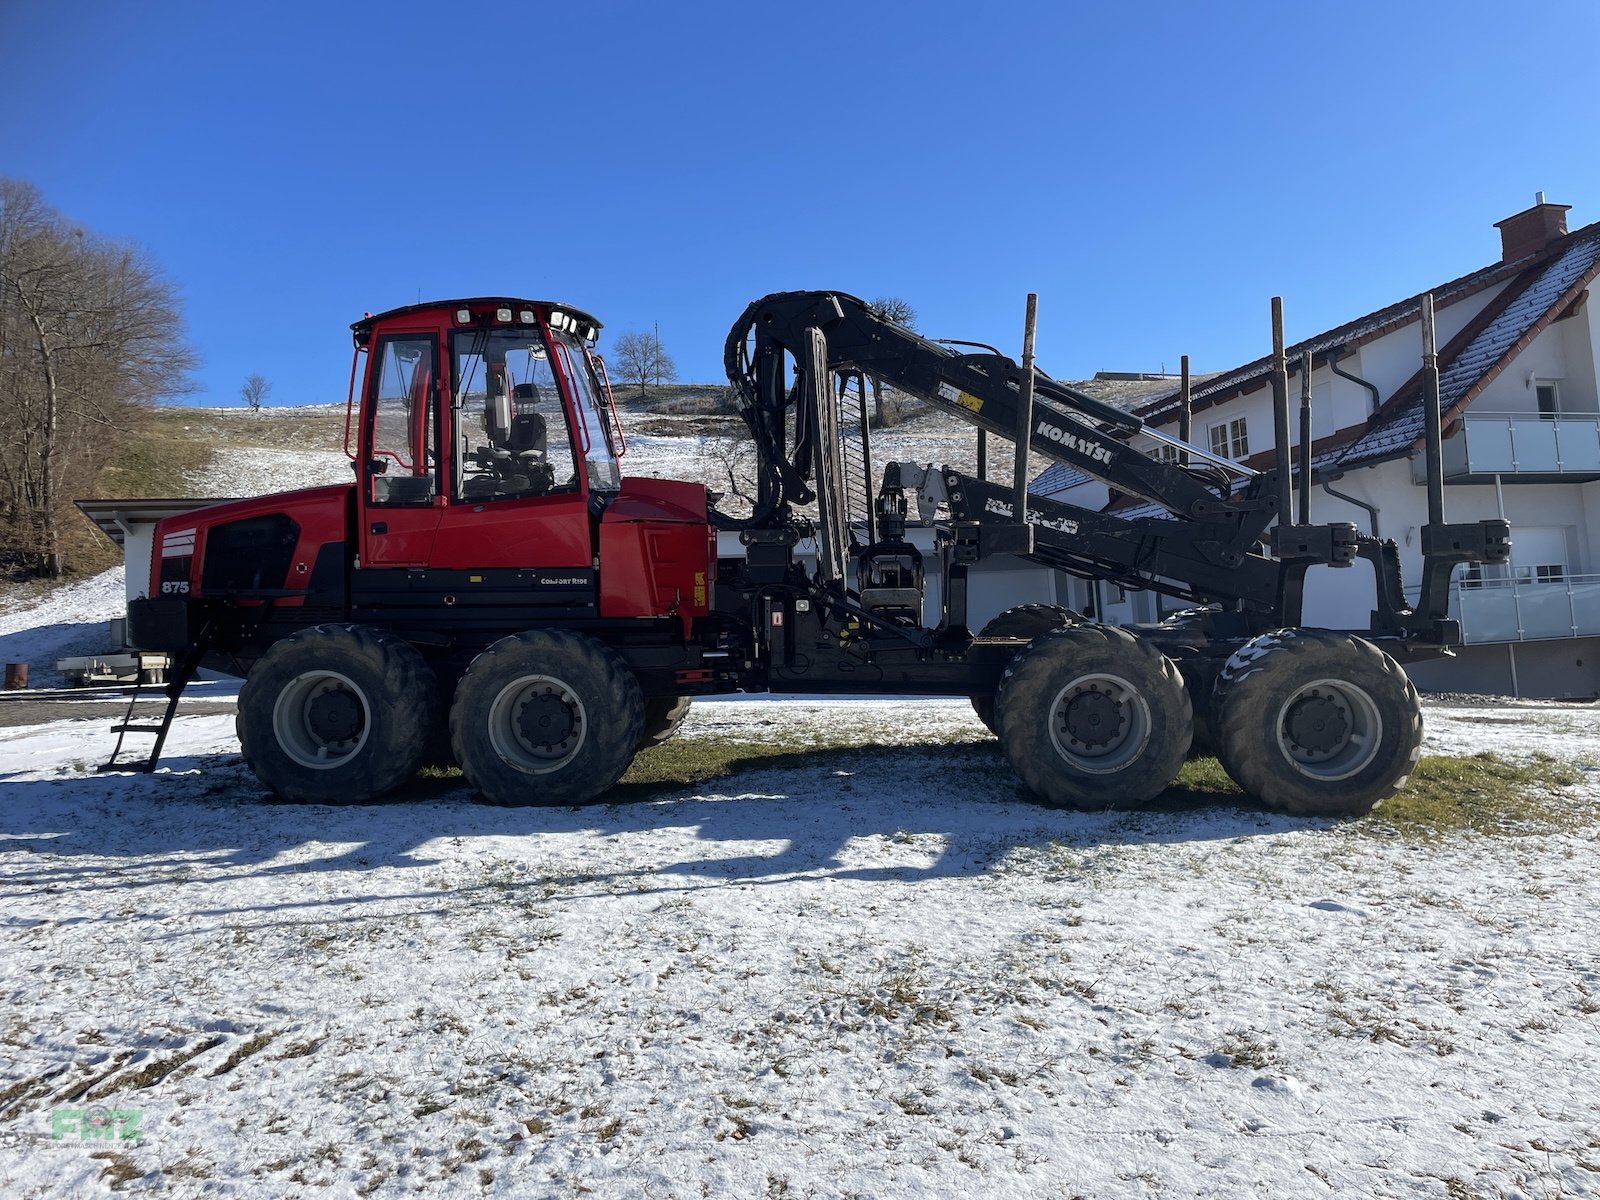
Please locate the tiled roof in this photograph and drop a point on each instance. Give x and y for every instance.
(1541, 288)
(1349, 335)
(1470, 369)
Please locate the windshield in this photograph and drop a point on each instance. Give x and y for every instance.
(511, 429)
(598, 452)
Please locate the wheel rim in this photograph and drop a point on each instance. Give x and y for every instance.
(1329, 729)
(321, 719)
(537, 724)
(1099, 723)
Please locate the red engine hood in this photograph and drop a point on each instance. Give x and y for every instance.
(218, 512)
(658, 500)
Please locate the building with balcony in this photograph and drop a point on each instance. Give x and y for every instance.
(1518, 342)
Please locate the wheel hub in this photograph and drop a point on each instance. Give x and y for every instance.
(333, 715)
(546, 720)
(321, 719)
(537, 724)
(1092, 718)
(1318, 723)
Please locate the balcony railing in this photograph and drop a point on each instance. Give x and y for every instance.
(1525, 610)
(1524, 444)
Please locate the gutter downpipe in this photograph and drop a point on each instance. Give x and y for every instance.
(1372, 509)
(1333, 356)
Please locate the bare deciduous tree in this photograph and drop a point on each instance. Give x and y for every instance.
(885, 411)
(641, 360)
(255, 390)
(893, 308)
(90, 335)
(733, 459)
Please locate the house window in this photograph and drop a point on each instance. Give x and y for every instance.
(1229, 439)
(1549, 398)
(1550, 573)
(1166, 453)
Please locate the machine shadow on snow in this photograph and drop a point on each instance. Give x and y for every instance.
(817, 804)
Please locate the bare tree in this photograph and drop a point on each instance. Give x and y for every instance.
(893, 308)
(255, 390)
(732, 459)
(641, 360)
(89, 336)
(885, 411)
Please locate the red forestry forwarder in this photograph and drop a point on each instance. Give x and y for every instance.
(491, 577)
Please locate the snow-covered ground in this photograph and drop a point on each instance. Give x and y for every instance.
(868, 971)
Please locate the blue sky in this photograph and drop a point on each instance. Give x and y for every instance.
(1154, 171)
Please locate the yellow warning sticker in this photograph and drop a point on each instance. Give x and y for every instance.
(949, 391)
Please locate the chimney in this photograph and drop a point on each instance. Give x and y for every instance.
(1531, 230)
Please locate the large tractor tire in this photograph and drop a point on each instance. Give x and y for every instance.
(546, 717)
(1026, 621)
(662, 718)
(336, 714)
(1316, 723)
(1092, 717)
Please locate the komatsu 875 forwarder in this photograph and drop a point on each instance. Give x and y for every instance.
(492, 579)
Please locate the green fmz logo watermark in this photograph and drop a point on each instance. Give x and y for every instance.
(97, 1124)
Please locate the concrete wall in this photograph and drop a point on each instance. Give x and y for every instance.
(1566, 668)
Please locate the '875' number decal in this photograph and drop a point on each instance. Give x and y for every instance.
(174, 587)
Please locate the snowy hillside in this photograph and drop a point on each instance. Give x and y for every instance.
(855, 961)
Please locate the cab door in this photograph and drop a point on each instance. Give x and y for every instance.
(400, 501)
(519, 499)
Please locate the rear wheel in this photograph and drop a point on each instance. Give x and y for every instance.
(546, 717)
(662, 718)
(1026, 621)
(1316, 723)
(336, 714)
(1093, 717)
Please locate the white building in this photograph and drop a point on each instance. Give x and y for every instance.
(1517, 359)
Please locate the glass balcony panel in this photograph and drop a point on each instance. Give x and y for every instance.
(1586, 608)
(1489, 446)
(1534, 444)
(1546, 610)
(1579, 440)
(1488, 614)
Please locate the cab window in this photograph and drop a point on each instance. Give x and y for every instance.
(402, 468)
(598, 453)
(511, 428)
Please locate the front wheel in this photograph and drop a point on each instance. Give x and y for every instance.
(1316, 723)
(1092, 717)
(546, 717)
(336, 714)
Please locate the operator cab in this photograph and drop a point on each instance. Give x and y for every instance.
(530, 414)
(477, 411)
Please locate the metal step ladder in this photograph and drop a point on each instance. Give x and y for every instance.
(176, 682)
